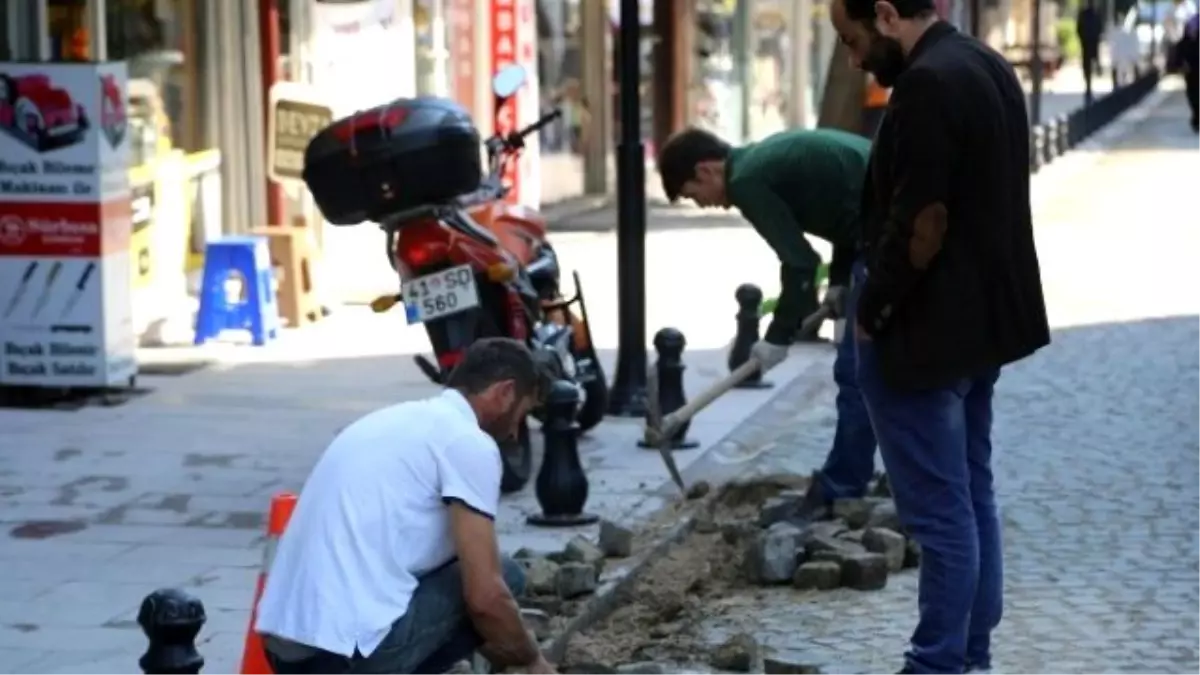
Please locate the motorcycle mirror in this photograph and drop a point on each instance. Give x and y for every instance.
(508, 80)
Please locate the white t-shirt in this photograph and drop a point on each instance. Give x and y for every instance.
(372, 518)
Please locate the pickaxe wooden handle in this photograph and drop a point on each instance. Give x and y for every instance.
(659, 429)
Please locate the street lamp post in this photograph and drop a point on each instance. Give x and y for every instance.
(627, 398)
(1035, 66)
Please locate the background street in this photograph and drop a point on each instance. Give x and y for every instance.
(1096, 442)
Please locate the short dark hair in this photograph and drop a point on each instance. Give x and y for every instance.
(491, 360)
(678, 157)
(864, 10)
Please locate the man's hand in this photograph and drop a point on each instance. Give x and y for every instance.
(767, 354)
(835, 300)
(490, 604)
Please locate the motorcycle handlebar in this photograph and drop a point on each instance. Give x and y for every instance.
(545, 119)
(516, 139)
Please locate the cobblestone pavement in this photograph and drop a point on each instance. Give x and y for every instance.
(1096, 446)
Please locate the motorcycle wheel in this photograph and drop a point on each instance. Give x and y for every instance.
(517, 456)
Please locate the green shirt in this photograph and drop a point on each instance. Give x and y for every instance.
(795, 183)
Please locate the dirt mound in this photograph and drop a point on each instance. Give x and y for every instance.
(659, 613)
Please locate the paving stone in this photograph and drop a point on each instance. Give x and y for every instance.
(770, 556)
(739, 653)
(541, 575)
(890, 544)
(616, 541)
(865, 571)
(575, 579)
(883, 515)
(856, 512)
(818, 575)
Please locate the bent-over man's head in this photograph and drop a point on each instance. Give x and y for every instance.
(692, 166)
(501, 380)
(880, 33)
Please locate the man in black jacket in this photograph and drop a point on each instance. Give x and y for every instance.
(953, 293)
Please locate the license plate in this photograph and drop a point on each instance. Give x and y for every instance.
(440, 294)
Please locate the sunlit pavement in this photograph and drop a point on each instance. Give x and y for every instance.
(172, 487)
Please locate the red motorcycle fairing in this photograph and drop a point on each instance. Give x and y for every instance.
(425, 245)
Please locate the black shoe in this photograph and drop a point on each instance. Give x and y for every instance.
(814, 506)
(906, 670)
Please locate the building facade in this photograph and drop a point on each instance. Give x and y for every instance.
(199, 71)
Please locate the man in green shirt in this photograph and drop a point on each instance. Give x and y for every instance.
(791, 184)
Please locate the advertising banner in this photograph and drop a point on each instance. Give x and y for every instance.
(461, 44)
(65, 226)
(514, 40)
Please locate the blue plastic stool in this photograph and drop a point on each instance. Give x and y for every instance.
(259, 313)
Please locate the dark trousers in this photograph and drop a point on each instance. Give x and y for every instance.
(1091, 63)
(936, 446)
(433, 635)
(1191, 81)
(851, 461)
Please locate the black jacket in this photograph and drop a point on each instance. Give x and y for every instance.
(953, 285)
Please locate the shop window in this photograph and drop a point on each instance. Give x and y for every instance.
(560, 74)
(159, 41)
(70, 36)
(432, 56)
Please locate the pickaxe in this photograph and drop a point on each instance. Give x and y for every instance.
(660, 429)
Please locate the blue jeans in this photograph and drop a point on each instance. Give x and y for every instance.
(433, 635)
(937, 448)
(851, 461)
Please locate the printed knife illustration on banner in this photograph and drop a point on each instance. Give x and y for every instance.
(79, 286)
(41, 302)
(22, 286)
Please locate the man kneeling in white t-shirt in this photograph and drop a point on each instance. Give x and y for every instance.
(390, 563)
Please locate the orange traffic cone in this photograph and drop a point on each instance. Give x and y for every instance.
(254, 659)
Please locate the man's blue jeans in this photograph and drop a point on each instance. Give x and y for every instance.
(851, 461)
(433, 635)
(937, 448)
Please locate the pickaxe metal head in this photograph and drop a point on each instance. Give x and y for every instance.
(655, 435)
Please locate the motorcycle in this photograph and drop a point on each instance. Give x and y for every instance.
(477, 266)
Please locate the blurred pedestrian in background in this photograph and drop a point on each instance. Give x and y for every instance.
(1185, 58)
(1090, 28)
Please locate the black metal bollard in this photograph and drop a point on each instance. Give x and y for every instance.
(1037, 152)
(562, 486)
(669, 343)
(1063, 136)
(749, 299)
(1050, 144)
(171, 620)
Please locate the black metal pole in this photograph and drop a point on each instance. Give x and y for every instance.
(627, 398)
(977, 19)
(1035, 66)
